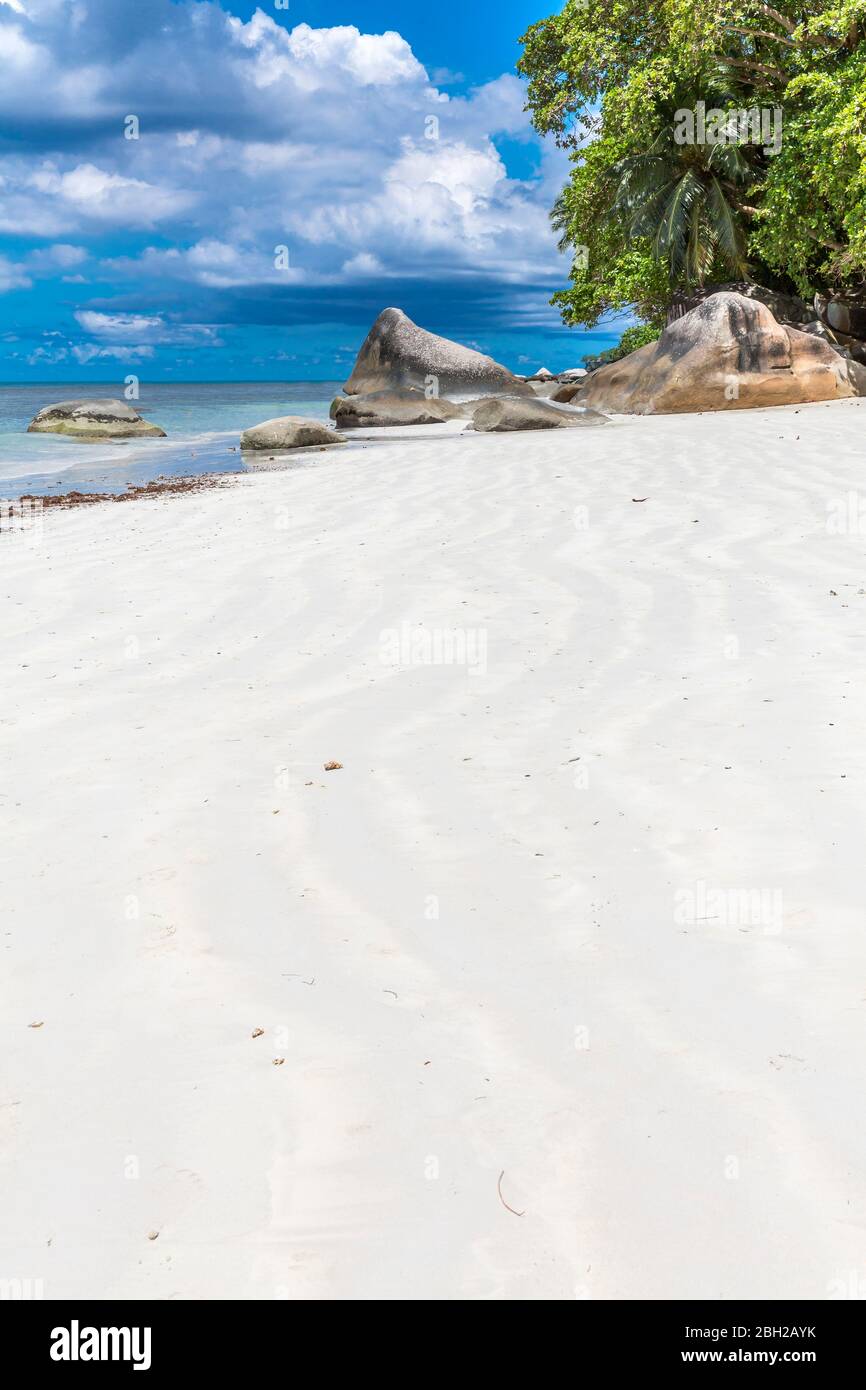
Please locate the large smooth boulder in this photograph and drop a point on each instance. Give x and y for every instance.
(384, 408)
(289, 432)
(88, 420)
(397, 353)
(727, 354)
(502, 414)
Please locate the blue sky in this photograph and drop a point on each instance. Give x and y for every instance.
(292, 171)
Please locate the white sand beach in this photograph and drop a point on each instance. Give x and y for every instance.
(565, 967)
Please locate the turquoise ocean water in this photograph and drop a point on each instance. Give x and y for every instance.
(203, 421)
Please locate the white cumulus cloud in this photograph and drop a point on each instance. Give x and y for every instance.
(255, 134)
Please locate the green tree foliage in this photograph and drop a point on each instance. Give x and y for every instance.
(631, 340)
(647, 214)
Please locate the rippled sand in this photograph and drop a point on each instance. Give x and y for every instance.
(576, 931)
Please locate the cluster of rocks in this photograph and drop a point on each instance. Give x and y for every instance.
(407, 376)
(729, 350)
(409, 406)
(544, 379)
(91, 421)
(842, 322)
(562, 388)
(403, 376)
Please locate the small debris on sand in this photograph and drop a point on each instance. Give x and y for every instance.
(257, 1033)
(153, 1235)
(278, 1061)
(502, 1199)
(333, 767)
(36, 1025)
(159, 488)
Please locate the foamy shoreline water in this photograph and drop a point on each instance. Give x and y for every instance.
(577, 927)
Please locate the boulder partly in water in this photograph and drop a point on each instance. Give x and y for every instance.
(91, 420)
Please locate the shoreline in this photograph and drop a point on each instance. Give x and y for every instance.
(202, 421)
(249, 463)
(157, 488)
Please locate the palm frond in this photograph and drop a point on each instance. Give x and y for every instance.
(731, 162)
(670, 238)
(726, 230)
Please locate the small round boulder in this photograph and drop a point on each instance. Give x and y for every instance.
(289, 432)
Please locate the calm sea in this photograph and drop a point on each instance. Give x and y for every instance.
(203, 421)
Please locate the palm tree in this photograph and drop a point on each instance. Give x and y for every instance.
(687, 202)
